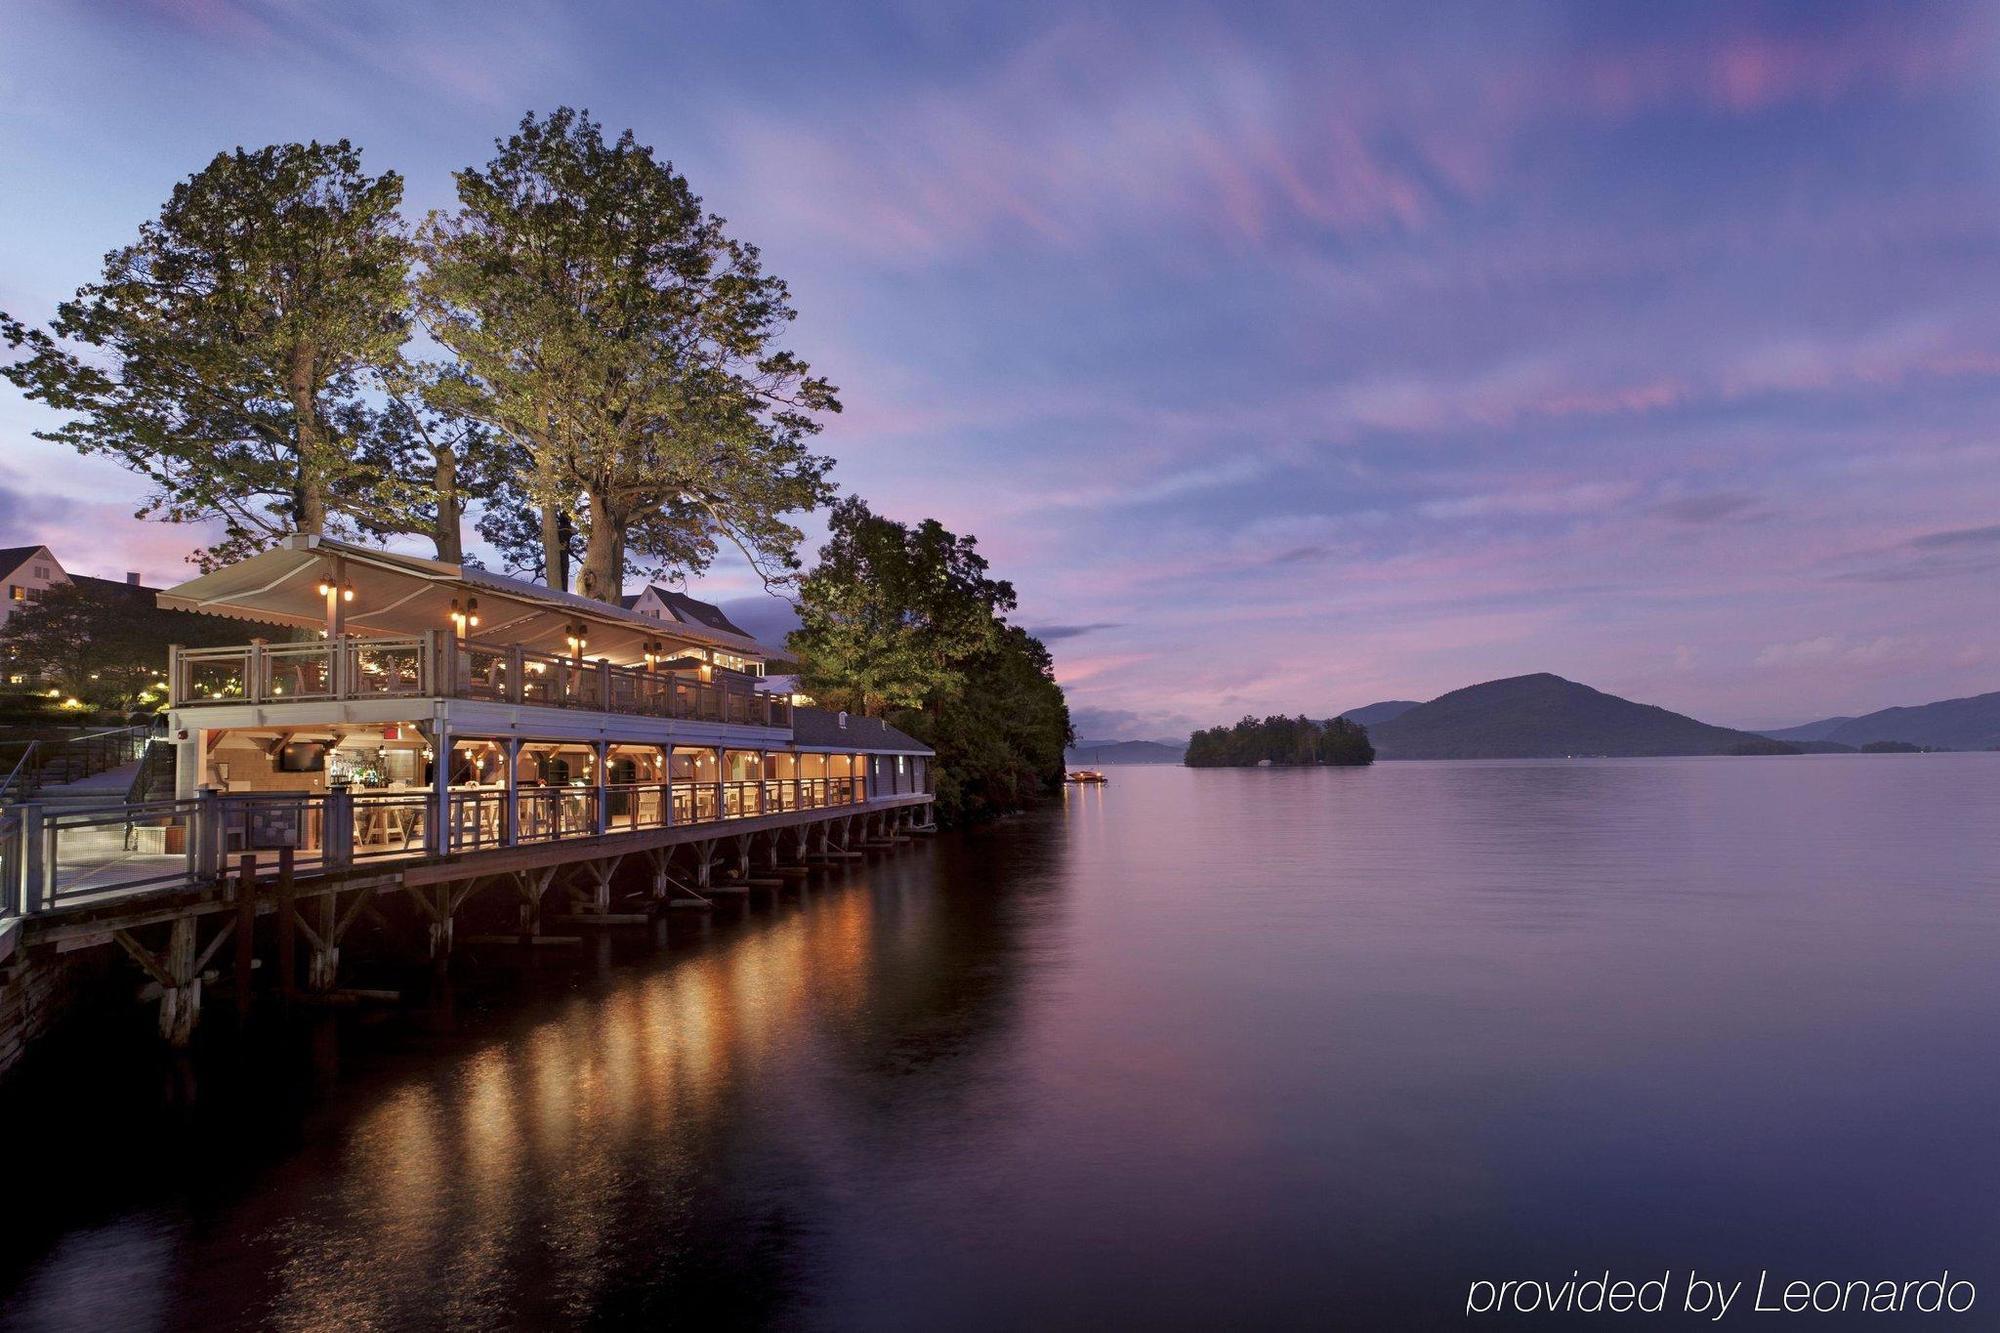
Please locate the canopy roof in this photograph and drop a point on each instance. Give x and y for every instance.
(396, 594)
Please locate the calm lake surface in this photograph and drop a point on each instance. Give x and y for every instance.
(1243, 1048)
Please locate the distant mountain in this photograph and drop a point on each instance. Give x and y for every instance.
(1950, 724)
(1369, 714)
(1810, 731)
(1125, 752)
(1546, 717)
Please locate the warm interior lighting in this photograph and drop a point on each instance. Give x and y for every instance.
(466, 616)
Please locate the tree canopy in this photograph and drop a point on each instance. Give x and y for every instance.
(628, 343)
(227, 354)
(104, 643)
(903, 622)
(1280, 741)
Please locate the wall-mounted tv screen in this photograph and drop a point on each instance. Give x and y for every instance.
(302, 757)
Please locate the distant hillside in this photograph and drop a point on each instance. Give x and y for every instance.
(1546, 717)
(1124, 752)
(1369, 714)
(1810, 731)
(1950, 724)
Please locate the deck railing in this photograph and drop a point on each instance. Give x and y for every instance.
(441, 665)
(58, 858)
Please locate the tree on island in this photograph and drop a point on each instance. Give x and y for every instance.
(1280, 742)
(628, 343)
(231, 351)
(904, 623)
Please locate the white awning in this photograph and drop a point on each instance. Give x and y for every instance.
(397, 594)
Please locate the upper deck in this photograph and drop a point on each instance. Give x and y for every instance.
(439, 665)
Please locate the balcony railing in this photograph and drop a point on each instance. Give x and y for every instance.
(51, 857)
(440, 665)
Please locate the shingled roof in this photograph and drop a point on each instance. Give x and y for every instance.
(818, 726)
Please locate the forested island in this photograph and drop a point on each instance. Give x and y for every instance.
(1290, 742)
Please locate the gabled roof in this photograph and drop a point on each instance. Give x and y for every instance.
(13, 557)
(119, 586)
(685, 609)
(693, 611)
(820, 726)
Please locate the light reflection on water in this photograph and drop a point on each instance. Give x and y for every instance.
(1192, 1048)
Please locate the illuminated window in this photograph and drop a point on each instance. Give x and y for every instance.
(17, 592)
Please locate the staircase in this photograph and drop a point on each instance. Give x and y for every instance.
(155, 779)
(32, 767)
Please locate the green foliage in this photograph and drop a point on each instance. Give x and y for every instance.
(1280, 741)
(104, 645)
(231, 348)
(627, 343)
(891, 615)
(904, 623)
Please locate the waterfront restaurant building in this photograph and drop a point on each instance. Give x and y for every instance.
(463, 710)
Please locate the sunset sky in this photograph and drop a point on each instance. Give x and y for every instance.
(1285, 359)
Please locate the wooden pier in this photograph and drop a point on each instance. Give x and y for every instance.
(282, 914)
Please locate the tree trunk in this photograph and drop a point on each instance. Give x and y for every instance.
(450, 543)
(309, 504)
(309, 490)
(555, 548)
(603, 556)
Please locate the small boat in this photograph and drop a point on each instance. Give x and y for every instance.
(1085, 775)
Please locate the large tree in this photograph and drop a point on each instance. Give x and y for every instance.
(629, 344)
(892, 612)
(230, 354)
(905, 622)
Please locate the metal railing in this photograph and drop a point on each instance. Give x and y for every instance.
(52, 857)
(28, 766)
(440, 665)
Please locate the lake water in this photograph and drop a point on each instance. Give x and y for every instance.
(1305, 1049)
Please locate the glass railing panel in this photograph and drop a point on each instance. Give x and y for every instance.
(214, 674)
(390, 666)
(297, 671)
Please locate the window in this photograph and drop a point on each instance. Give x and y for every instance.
(41, 571)
(15, 592)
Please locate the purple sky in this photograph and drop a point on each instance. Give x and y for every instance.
(1285, 361)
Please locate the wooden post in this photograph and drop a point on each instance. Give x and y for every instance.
(324, 964)
(246, 934)
(601, 752)
(287, 928)
(510, 814)
(440, 934)
(439, 842)
(337, 830)
(180, 1003)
